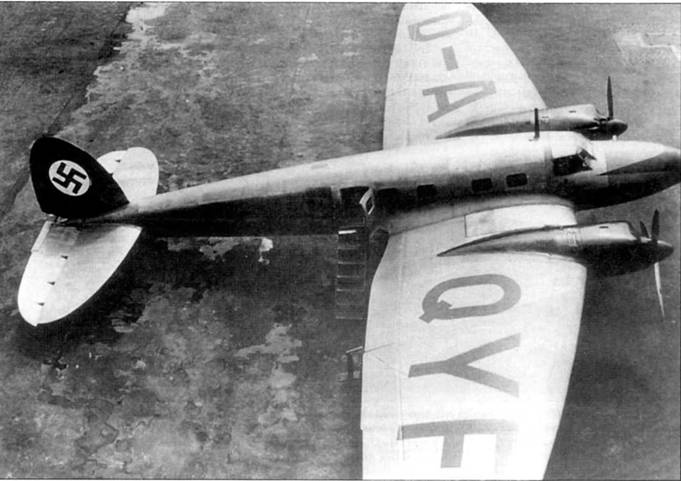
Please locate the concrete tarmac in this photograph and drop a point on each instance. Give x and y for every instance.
(199, 361)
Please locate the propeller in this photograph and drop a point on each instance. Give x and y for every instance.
(644, 230)
(655, 227)
(610, 124)
(654, 236)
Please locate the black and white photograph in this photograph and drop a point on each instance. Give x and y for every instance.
(273, 240)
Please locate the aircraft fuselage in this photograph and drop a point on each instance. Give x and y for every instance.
(318, 197)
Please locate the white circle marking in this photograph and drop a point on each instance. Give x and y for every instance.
(69, 178)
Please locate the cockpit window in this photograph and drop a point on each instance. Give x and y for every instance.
(585, 155)
(572, 164)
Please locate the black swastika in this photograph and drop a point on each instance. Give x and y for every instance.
(69, 177)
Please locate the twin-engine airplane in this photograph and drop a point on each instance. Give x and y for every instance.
(475, 307)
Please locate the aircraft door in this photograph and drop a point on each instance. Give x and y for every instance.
(368, 203)
(355, 202)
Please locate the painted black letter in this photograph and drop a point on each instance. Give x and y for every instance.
(464, 21)
(459, 366)
(434, 308)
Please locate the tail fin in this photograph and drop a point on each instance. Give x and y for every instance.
(69, 264)
(69, 182)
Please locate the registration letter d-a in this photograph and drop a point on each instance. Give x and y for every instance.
(439, 26)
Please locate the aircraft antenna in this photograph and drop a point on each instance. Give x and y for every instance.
(611, 109)
(536, 124)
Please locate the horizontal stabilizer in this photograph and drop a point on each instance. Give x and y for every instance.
(68, 265)
(135, 171)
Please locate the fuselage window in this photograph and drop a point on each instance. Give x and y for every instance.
(516, 180)
(425, 194)
(481, 185)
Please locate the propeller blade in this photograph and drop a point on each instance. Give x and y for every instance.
(644, 231)
(611, 110)
(658, 287)
(656, 225)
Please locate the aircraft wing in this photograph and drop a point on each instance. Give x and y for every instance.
(449, 67)
(467, 357)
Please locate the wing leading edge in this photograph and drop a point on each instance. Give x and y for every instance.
(467, 358)
(449, 68)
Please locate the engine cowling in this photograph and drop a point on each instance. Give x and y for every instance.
(610, 248)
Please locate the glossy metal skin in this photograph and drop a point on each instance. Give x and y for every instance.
(317, 198)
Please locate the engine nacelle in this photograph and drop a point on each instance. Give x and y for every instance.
(584, 119)
(608, 248)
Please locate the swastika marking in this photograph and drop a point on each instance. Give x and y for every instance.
(69, 178)
(434, 308)
(459, 366)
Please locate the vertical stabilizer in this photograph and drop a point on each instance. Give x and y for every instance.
(69, 182)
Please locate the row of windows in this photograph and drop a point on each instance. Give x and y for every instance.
(425, 194)
(485, 184)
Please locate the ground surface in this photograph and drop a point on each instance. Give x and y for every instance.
(201, 362)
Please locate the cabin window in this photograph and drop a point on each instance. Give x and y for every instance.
(425, 194)
(516, 180)
(481, 185)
